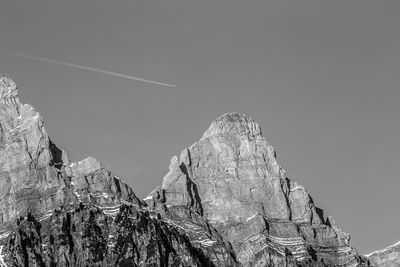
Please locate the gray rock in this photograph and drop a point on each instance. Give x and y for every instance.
(28, 159)
(35, 175)
(232, 179)
(388, 257)
(225, 201)
(57, 213)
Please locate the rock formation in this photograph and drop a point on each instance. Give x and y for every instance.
(36, 176)
(388, 257)
(232, 180)
(57, 213)
(225, 201)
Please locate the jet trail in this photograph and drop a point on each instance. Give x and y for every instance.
(88, 68)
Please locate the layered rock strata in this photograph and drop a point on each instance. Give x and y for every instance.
(54, 212)
(225, 201)
(232, 180)
(388, 257)
(85, 236)
(36, 176)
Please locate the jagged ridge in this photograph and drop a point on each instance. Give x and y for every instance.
(57, 213)
(386, 257)
(231, 179)
(224, 202)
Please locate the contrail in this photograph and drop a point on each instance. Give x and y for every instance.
(88, 68)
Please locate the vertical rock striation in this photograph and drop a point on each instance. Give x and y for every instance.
(225, 201)
(54, 212)
(232, 180)
(28, 166)
(35, 175)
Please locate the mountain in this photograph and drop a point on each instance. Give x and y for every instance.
(387, 257)
(232, 179)
(57, 213)
(225, 201)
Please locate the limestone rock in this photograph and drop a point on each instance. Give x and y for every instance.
(87, 237)
(225, 201)
(36, 176)
(28, 176)
(231, 179)
(387, 257)
(54, 212)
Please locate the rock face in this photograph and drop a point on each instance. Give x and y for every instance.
(231, 179)
(57, 213)
(35, 175)
(225, 201)
(85, 236)
(387, 257)
(27, 164)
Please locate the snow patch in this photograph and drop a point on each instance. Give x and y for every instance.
(207, 243)
(148, 198)
(297, 187)
(252, 217)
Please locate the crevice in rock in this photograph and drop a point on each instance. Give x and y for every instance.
(57, 156)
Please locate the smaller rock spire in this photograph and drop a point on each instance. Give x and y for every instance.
(8, 88)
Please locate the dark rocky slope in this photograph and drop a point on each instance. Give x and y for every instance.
(224, 202)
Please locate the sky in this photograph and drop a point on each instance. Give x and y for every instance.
(320, 77)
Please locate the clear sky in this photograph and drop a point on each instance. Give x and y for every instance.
(321, 77)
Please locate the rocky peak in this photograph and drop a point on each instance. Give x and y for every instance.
(234, 124)
(8, 88)
(25, 154)
(35, 175)
(81, 211)
(225, 201)
(231, 178)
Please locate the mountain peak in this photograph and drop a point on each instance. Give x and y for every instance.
(36, 175)
(233, 123)
(8, 88)
(231, 179)
(225, 201)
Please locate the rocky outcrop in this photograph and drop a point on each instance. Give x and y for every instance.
(28, 173)
(225, 201)
(232, 180)
(54, 212)
(85, 236)
(387, 257)
(35, 175)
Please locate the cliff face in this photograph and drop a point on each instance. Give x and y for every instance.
(231, 179)
(27, 164)
(36, 176)
(54, 212)
(224, 202)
